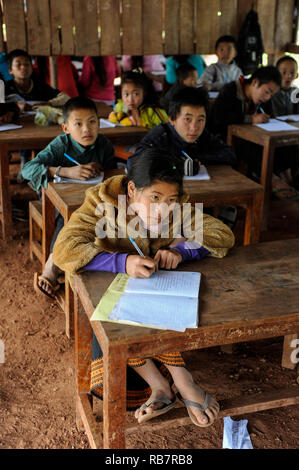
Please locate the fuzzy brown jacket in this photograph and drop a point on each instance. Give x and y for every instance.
(78, 243)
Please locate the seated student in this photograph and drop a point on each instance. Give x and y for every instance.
(25, 86)
(186, 131)
(81, 140)
(9, 112)
(240, 102)
(97, 78)
(154, 180)
(148, 63)
(285, 102)
(186, 76)
(174, 61)
(225, 70)
(138, 103)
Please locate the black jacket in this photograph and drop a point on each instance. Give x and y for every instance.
(208, 149)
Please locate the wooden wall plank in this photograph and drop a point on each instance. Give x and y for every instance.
(38, 27)
(208, 25)
(62, 22)
(284, 24)
(228, 18)
(110, 27)
(171, 27)
(86, 23)
(2, 48)
(266, 10)
(186, 28)
(15, 24)
(152, 27)
(132, 27)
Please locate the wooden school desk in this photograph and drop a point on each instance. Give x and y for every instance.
(31, 136)
(249, 295)
(226, 186)
(269, 141)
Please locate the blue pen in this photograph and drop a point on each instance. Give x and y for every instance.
(71, 159)
(137, 248)
(261, 109)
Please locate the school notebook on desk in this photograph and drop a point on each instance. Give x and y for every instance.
(97, 180)
(167, 300)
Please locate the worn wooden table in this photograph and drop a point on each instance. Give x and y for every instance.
(249, 295)
(269, 141)
(31, 136)
(226, 186)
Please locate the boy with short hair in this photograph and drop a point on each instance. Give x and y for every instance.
(187, 75)
(225, 70)
(81, 141)
(25, 86)
(186, 131)
(283, 102)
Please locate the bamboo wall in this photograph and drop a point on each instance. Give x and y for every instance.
(136, 27)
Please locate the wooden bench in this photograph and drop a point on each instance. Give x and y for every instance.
(249, 295)
(35, 230)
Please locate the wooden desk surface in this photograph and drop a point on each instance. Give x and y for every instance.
(261, 136)
(252, 293)
(31, 134)
(225, 182)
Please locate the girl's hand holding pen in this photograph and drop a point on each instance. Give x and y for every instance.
(168, 259)
(260, 118)
(139, 267)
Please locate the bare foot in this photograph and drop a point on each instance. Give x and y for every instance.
(189, 390)
(51, 272)
(163, 392)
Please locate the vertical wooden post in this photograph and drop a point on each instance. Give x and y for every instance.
(53, 72)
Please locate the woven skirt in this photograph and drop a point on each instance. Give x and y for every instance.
(138, 391)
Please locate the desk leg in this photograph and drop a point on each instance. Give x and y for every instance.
(48, 211)
(115, 384)
(253, 221)
(5, 202)
(68, 302)
(266, 180)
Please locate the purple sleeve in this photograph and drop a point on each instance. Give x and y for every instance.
(188, 254)
(112, 262)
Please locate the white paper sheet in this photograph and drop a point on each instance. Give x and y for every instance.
(168, 300)
(105, 123)
(96, 180)
(9, 127)
(274, 125)
(289, 117)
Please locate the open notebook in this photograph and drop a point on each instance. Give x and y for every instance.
(168, 300)
(96, 180)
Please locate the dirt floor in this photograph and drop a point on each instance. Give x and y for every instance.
(37, 381)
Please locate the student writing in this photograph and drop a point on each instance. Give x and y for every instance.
(82, 141)
(153, 179)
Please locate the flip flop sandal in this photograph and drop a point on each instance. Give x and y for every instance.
(197, 405)
(147, 416)
(39, 290)
(279, 194)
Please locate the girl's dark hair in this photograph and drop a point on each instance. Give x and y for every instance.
(155, 164)
(141, 80)
(98, 63)
(136, 62)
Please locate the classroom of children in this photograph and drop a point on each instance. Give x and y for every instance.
(149, 226)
